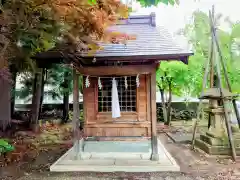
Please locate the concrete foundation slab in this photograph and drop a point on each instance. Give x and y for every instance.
(116, 161)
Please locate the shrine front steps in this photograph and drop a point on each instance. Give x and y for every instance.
(115, 155)
(115, 149)
(216, 146)
(115, 161)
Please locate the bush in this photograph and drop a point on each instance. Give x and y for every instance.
(81, 118)
(5, 147)
(177, 114)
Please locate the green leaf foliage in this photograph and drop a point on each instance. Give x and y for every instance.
(148, 3)
(187, 79)
(59, 77)
(5, 146)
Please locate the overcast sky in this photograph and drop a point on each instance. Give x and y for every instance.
(175, 17)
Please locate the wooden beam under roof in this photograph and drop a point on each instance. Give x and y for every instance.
(117, 70)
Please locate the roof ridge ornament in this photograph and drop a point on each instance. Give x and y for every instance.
(149, 19)
(153, 19)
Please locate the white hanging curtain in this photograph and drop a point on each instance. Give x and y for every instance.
(115, 101)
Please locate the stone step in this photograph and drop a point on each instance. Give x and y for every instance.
(115, 166)
(115, 146)
(119, 138)
(215, 150)
(116, 155)
(133, 143)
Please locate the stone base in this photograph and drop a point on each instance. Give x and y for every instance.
(217, 146)
(215, 150)
(217, 141)
(214, 141)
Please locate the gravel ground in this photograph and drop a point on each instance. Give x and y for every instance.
(194, 165)
(125, 176)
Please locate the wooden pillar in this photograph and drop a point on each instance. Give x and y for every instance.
(76, 114)
(155, 156)
(148, 82)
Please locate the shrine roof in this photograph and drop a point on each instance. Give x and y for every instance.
(152, 43)
(150, 40)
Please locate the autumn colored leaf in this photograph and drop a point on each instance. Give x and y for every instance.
(32, 26)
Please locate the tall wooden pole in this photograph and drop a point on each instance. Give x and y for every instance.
(205, 78)
(211, 57)
(226, 75)
(211, 67)
(227, 119)
(75, 120)
(155, 156)
(208, 63)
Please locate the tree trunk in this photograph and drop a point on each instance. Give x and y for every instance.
(66, 98)
(13, 71)
(5, 103)
(169, 109)
(164, 109)
(65, 108)
(36, 100)
(42, 91)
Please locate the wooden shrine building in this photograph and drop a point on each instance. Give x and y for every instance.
(132, 67)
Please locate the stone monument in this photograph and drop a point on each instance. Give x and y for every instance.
(215, 140)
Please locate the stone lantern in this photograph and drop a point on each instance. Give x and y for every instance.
(215, 140)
